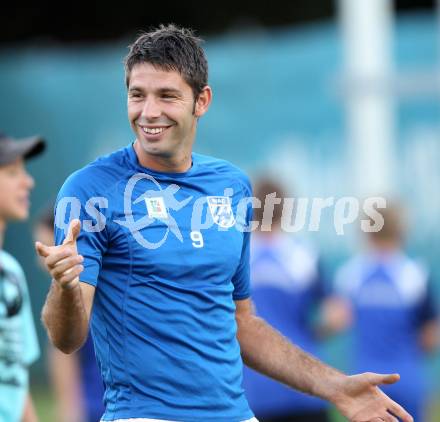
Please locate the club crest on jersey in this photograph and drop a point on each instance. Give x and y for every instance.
(221, 210)
(156, 208)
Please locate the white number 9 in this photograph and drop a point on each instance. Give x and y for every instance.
(197, 239)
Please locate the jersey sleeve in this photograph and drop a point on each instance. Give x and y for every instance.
(241, 278)
(76, 200)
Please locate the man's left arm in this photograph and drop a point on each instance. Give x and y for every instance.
(357, 397)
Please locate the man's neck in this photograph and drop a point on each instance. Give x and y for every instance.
(179, 164)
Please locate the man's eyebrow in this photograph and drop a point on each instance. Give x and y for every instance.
(134, 88)
(169, 90)
(165, 89)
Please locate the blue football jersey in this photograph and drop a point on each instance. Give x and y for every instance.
(168, 254)
(391, 300)
(287, 288)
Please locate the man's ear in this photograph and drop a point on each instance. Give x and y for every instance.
(203, 101)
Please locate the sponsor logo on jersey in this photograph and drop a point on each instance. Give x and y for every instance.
(156, 207)
(221, 210)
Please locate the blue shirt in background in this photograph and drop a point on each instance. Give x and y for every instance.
(391, 300)
(286, 289)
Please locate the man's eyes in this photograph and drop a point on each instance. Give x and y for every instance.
(165, 96)
(138, 96)
(169, 96)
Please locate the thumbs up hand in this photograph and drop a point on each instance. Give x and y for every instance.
(63, 262)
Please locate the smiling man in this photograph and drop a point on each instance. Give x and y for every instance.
(163, 111)
(167, 296)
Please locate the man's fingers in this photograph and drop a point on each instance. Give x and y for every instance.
(398, 411)
(71, 275)
(55, 257)
(395, 409)
(65, 265)
(42, 249)
(74, 229)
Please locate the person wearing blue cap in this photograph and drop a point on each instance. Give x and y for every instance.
(18, 341)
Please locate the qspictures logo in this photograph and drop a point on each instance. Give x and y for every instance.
(161, 204)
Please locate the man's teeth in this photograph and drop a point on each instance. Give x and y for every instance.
(153, 131)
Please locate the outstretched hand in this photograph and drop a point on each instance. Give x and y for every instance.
(63, 262)
(361, 400)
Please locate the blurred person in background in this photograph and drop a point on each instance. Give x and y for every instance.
(287, 289)
(18, 340)
(385, 296)
(76, 380)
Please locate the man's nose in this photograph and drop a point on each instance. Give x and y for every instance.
(151, 109)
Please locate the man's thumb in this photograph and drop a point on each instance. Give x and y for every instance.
(378, 379)
(74, 229)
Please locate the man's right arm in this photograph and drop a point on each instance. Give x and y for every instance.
(66, 313)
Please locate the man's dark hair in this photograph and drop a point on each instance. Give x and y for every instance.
(171, 48)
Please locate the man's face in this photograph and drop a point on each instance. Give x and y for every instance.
(163, 111)
(15, 187)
